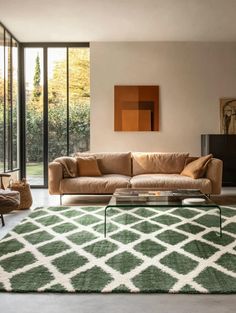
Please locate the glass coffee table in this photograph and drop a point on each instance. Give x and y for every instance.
(155, 198)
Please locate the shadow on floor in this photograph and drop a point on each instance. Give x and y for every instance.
(224, 199)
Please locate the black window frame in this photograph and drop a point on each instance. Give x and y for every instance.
(21, 152)
(45, 46)
(8, 168)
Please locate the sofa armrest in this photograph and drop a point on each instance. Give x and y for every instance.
(214, 173)
(54, 178)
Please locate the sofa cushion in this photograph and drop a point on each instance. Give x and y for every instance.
(69, 166)
(112, 163)
(197, 168)
(100, 184)
(170, 181)
(88, 166)
(153, 163)
(190, 159)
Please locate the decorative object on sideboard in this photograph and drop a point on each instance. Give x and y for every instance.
(228, 116)
(136, 108)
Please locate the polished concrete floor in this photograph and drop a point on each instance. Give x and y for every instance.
(115, 303)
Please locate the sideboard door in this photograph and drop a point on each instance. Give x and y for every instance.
(222, 147)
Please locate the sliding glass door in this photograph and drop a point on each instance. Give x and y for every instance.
(9, 102)
(79, 100)
(57, 106)
(2, 99)
(15, 106)
(57, 102)
(34, 116)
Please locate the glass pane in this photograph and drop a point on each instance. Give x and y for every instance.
(15, 106)
(1, 99)
(57, 103)
(34, 115)
(79, 100)
(8, 101)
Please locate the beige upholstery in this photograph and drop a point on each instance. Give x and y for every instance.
(94, 185)
(214, 174)
(69, 166)
(54, 178)
(197, 168)
(112, 163)
(154, 170)
(158, 163)
(88, 166)
(170, 181)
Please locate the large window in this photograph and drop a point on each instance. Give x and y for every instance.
(2, 99)
(9, 103)
(34, 150)
(79, 100)
(15, 106)
(54, 107)
(57, 101)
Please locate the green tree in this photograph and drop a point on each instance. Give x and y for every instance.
(37, 87)
(79, 103)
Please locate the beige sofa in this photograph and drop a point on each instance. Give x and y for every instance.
(132, 170)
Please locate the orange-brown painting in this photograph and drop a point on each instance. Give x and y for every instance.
(136, 108)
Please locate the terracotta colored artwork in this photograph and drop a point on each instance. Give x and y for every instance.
(136, 108)
(228, 116)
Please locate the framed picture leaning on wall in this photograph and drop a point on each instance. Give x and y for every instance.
(228, 116)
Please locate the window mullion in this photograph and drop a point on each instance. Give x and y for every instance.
(67, 102)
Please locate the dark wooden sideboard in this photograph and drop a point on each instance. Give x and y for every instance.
(222, 147)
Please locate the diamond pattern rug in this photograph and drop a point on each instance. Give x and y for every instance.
(172, 250)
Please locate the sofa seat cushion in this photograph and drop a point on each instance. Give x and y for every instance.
(101, 184)
(170, 181)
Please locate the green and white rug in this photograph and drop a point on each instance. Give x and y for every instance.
(174, 250)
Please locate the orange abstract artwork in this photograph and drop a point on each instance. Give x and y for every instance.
(136, 108)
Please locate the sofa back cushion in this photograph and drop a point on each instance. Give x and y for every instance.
(158, 163)
(112, 163)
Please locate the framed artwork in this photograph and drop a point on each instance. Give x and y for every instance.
(136, 108)
(228, 116)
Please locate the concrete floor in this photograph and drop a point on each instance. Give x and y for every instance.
(115, 303)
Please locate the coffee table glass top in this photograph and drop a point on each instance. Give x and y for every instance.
(156, 197)
(132, 198)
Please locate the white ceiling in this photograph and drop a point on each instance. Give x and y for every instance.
(120, 20)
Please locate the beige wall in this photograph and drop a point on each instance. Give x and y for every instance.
(192, 77)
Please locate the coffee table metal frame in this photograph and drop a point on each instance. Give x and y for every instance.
(161, 205)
